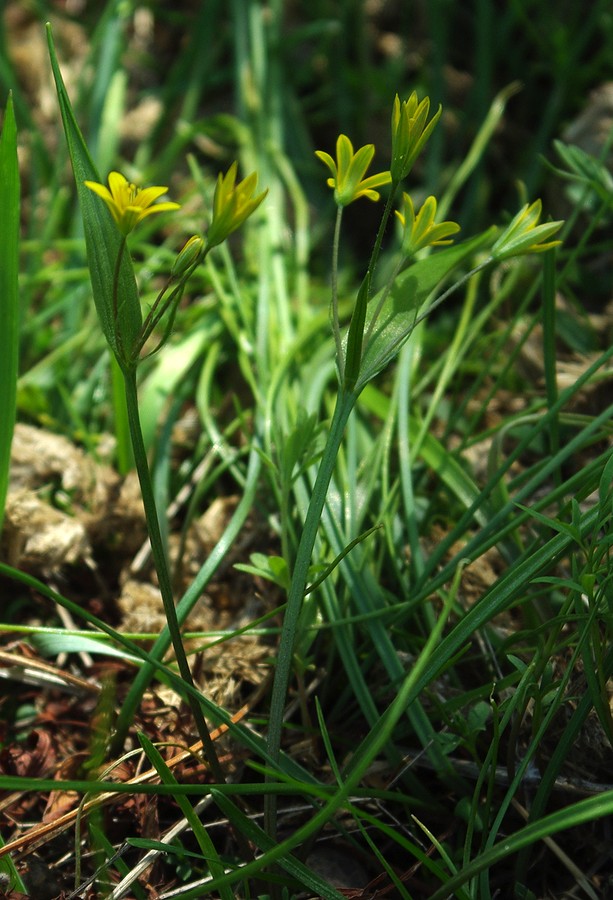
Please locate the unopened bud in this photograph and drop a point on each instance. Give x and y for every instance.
(189, 255)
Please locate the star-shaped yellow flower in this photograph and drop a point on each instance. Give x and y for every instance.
(420, 230)
(348, 172)
(129, 204)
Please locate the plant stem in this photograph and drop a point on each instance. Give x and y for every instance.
(344, 404)
(161, 564)
(336, 327)
(355, 335)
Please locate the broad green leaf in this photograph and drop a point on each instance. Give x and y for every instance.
(407, 296)
(103, 241)
(9, 294)
(273, 568)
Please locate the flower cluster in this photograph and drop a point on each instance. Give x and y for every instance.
(232, 205)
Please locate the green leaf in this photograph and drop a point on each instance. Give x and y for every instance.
(103, 242)
(54, 644)
(162, 847)
(586, 169)
(9, 294)
(408, 294)
(273, 568)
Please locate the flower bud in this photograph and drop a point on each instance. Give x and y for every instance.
(189, 256)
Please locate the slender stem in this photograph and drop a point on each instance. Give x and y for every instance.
(355, 335)
(125, 457)
(152, 318)
(336, 327)
(161, 564)
(187, 602)
(344, 404)
(157, 311)
(116, 329)
(384, 295)
(376, 250)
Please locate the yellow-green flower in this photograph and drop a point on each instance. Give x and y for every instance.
(232, 204)
(348, 172)
(524, 234)
(129, 204)
(410, 131)
(420, 230)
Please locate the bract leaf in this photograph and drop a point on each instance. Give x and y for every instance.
(408, 295)
(103, 241)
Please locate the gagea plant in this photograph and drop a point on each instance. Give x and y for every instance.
(430, 264)
(379, 324)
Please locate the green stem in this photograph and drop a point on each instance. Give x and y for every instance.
(336, 327)
(119, 351)
(376, 250)
(355, 336)
(159, 309)
(344, 404)
(161, 564)
(188, 601)
(125, 459)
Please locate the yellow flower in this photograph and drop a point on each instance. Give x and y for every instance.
(128, 204)
(348, 172)
(410, 131)
(524, 234)
(232, 204)
(420, 230)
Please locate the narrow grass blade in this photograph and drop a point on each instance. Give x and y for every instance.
(9, 295)
(200, 832)
(316, 885)
(585, 812)
(8, 869)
